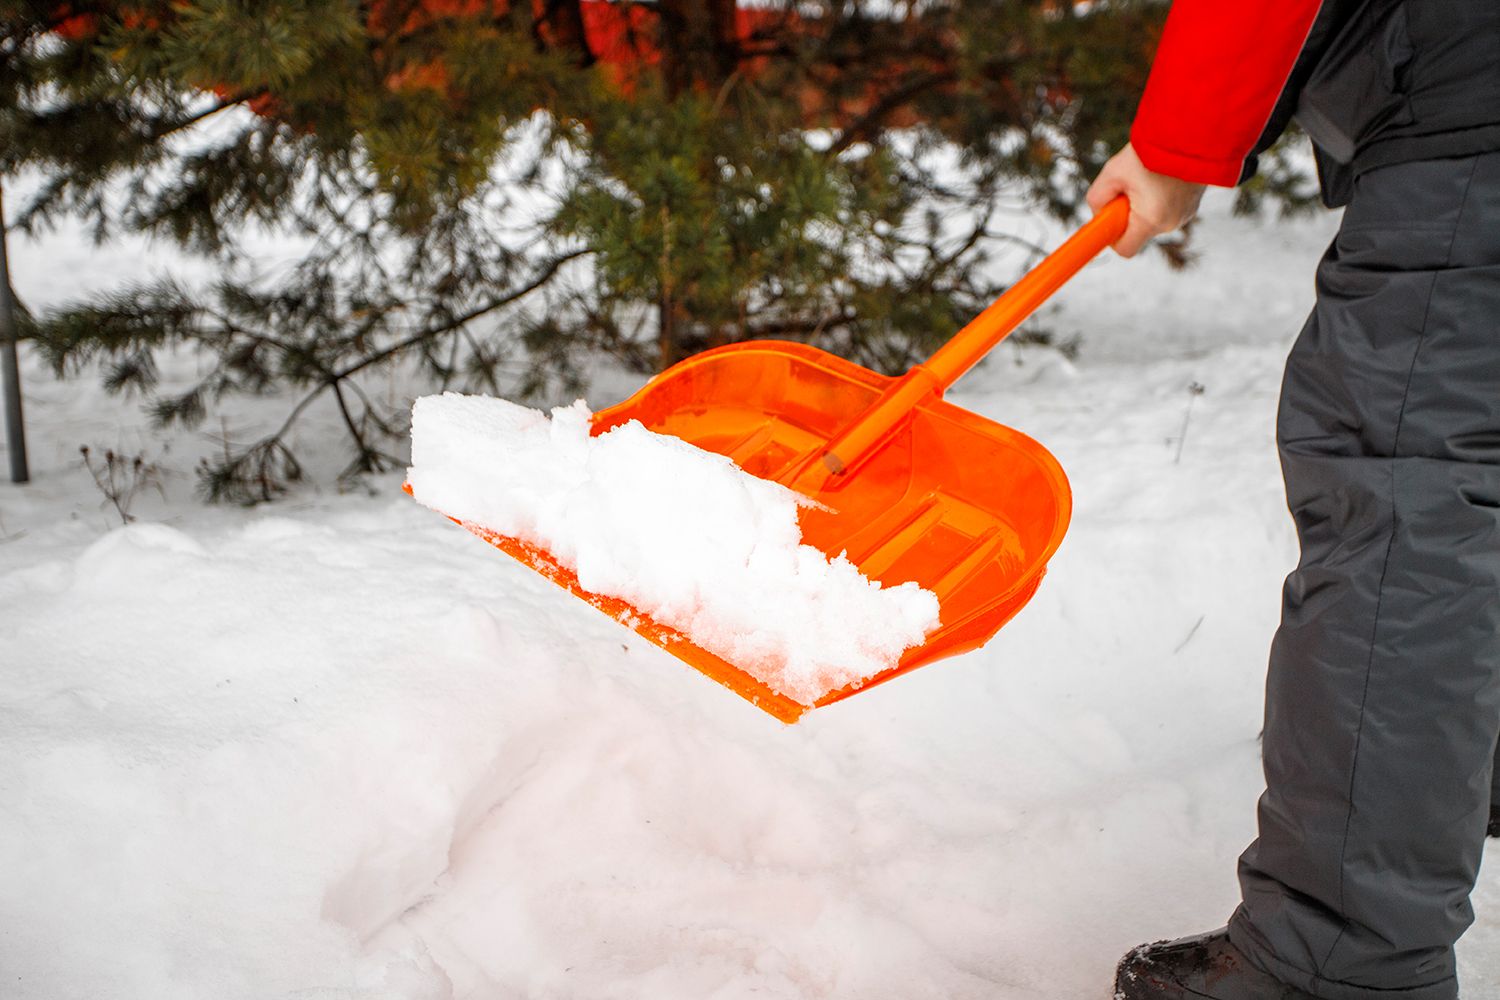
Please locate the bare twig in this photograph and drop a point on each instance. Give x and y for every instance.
(1195, 389)
(122, 479)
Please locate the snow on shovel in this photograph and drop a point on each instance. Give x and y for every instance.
(793, 525)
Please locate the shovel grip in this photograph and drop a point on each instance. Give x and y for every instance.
(978, 338)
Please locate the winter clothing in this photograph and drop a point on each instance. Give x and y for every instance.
(1373, 82)
(1204, 967)
(1383, 698)
(1383, 694)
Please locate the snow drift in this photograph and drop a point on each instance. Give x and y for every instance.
(335, 750)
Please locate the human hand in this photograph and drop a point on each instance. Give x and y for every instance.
(1158, 204)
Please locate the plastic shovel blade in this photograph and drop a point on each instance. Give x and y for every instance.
(963, 506)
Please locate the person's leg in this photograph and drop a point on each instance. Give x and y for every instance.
(1383, 695)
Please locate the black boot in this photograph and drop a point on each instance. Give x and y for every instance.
(1205, 967)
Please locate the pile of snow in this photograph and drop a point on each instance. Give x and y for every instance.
(683, 535)
(334, 749)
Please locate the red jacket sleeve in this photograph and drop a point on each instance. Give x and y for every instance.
(1219, 89)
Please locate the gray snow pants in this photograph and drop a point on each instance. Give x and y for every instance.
(1383, 696)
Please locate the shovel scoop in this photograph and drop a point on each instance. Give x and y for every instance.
(909, 487)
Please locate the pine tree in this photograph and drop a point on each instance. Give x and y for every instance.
(818, 171)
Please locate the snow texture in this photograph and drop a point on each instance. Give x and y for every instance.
(683, 535)
(336, 749)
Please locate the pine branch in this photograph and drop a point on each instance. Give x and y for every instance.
(868, 124)
(163, 129)
(545, 275)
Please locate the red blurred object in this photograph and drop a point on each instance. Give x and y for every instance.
(73, 26)
(910, 487)
(627, 42)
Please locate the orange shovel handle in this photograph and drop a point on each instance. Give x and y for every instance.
(1020, 300)
(973, 342)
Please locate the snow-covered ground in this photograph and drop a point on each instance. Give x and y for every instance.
(337, 748)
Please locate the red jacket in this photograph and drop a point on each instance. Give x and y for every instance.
(1219, 85)
(1372, 82)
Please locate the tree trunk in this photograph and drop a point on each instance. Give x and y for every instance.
(725, 27)
(666, 339)
(559, 25)
(700, 44)
(10, 370)
(666, 308)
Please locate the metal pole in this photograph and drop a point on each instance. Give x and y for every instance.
(10, 370)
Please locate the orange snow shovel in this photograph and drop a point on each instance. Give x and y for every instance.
(910, 487)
